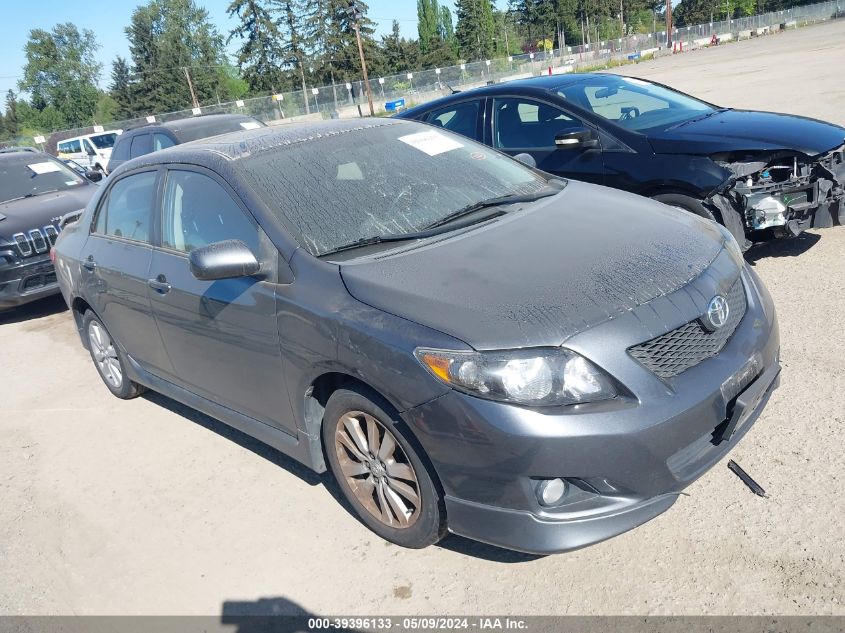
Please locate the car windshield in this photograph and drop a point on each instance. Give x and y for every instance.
(104, 141)
(29, 174)
(633, 103)
(388, 180)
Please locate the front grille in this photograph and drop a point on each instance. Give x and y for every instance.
(36, 241)
(674, 352)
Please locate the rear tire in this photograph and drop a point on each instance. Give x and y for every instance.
(379, 471)
(731, 220)
(108, 360)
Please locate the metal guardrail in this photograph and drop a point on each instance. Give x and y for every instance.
(349, 99)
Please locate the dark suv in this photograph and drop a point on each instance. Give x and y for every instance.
(39, 195)
(151, 138)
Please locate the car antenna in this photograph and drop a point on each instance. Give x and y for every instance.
(454, 92)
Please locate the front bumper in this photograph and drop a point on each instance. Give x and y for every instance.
(31, 280)
(625, 460)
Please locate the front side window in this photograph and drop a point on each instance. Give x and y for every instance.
(528, 124)
(386, 179)
(634, 103)
(127, 208)
(198, 211)
(29, 174)
(461, 118)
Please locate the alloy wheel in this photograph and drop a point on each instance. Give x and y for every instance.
(377, 470)
(105, 354)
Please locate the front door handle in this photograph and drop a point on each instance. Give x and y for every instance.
(89, 264)
(159, 284)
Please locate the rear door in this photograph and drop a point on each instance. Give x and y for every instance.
(221, 336)
(116, 263)
(527, 125)
(462, 118)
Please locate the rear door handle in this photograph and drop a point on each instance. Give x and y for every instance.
(159, 284)
(89, 264)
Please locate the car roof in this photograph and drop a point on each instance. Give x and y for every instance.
(188, 123)
(242, 143)
(17, 149)
(543, 83)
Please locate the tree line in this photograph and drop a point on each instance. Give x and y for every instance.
(285, 45)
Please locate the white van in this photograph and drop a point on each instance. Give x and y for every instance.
(90, 150)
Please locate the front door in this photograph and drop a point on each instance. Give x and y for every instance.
(221, 336)
(525, 125)
(115, 268)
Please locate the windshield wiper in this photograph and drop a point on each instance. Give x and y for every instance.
(498, 201)
(434, 228)
(29, 195)
(700, 118)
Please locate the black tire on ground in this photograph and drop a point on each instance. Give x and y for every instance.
(108, 360)
(428, 514)
(731, 220)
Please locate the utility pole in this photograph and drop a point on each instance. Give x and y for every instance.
(621, 21)
(355, 13)
(668, 23)
(191, 87)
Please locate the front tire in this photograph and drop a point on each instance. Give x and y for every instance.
(108, 360)
(379, 471)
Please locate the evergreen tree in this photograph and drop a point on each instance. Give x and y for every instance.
(428, 16)
(445, 28)
(259, 57)
(298, 38)
(166, 37)
(475, 30)
(10, 122)
(120, 88)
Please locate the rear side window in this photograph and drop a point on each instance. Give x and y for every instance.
(127, 209)
(198, 211)
(161, 141)
(461, 118)
(141, 145)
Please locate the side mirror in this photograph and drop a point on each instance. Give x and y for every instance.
(94, 175)
(578, 138)
(526, 159)
(90, 151)
(223, 260)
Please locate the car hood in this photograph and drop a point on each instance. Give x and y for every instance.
(537, 276)
(738, 130)
(29, 213)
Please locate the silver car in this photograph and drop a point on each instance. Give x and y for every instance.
(468, 344)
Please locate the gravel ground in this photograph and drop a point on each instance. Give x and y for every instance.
(144, 507)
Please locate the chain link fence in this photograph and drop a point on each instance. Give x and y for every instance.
(342, 100)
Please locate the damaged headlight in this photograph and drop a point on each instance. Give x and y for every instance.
(540, 376)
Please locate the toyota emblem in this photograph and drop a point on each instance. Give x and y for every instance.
(717, 313)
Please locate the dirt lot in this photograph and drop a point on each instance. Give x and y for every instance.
(144, 507)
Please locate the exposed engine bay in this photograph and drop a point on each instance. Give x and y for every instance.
(784, 191)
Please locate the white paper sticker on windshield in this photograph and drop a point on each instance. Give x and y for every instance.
(44, 168)
(432, 142)
(250, 125)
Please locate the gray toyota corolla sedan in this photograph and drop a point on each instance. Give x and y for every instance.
(466, 343)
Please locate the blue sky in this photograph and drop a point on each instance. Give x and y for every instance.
(107, 18)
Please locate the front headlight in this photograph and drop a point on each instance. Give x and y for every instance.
(540, 376)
